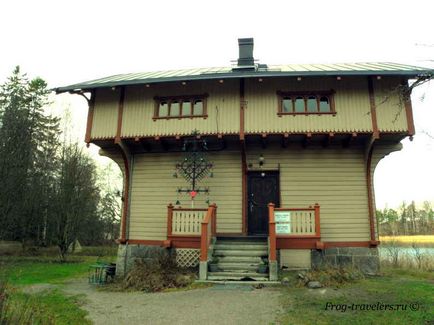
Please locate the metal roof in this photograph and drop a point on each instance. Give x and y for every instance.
(262, 70)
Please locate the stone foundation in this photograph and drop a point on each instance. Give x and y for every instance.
(127, 254)
(363, 258)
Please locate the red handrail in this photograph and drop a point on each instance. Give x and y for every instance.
(272, 233)
(207, 231)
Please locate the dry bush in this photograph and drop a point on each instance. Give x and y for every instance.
(159, 273)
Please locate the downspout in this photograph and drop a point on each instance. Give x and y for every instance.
(243, 159)
(368, 157)
(371, 207)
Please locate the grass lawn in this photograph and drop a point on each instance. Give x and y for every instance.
(24, 271)
(51, 306)
(409, 288)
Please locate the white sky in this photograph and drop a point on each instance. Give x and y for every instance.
(66, 42)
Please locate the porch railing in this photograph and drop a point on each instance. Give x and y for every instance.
(184, 222)
(200, 223)
(299, 223)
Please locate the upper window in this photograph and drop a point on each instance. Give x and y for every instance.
(319, 102)
(180, 106)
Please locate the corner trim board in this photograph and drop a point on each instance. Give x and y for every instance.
(120, 114)
(89, 124)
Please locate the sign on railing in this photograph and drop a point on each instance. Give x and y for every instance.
(295, 222)
(283, 222)
(291, 222)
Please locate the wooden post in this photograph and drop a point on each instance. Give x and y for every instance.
(169, 219)
(317, 221)
(214, 220)
(204, 242)
(272, 233)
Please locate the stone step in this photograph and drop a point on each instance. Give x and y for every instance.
(241, 246)
(230, 252)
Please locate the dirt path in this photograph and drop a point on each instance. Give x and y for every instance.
(230, 304)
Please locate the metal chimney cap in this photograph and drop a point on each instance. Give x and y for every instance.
(245, 58)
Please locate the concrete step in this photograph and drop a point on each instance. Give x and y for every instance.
(250, 252)
(234, 241)
(241, 246)
(237, 276)
(237, 273)
(238, 266)
(240, 259)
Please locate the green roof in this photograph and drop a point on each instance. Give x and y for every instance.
(260, 70)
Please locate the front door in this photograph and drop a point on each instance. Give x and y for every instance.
(262, 188)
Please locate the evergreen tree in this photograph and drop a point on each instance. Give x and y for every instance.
(28, 145)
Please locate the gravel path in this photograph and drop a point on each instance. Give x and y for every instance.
(220, 304)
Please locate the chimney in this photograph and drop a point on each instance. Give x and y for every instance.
(245, 59)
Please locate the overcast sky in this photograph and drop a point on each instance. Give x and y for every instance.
(65, 42)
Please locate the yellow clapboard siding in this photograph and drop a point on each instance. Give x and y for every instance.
(154, 187)
(336, 196)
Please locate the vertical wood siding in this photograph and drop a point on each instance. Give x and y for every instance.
(154, 187)
(351, 104)
(390, 110)
(105, 116)
(333, 177)
(222, 109)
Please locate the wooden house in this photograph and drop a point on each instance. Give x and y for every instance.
(292, 150)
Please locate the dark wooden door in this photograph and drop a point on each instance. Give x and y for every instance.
(262, 188)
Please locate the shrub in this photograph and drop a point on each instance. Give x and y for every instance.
(159, 273)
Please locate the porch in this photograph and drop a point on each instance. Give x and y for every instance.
(226, 257)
